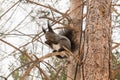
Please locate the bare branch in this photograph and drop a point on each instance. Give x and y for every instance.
(49, 7)
(37, 61)
(9, 9)
(117, 45)
(15, 48)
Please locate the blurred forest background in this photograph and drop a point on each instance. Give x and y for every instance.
(22, 39)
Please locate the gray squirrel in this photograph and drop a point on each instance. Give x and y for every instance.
(57, 41)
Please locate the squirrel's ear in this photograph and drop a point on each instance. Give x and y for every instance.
(49, 27)
(43, 30)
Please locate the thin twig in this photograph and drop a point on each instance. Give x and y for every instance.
(9, 9)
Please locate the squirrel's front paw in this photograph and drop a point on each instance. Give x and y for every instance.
(47, 42)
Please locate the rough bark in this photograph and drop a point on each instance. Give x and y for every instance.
(97, 40)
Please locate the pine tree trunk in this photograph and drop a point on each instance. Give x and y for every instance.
(76, 11)
(97, 47)
(97, 40)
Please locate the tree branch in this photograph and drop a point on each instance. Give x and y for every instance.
(117, 45)
(9, 9)
(39, 60)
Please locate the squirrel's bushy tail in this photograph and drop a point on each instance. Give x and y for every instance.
(69, 33)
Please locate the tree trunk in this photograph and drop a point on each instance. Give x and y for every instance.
(76, 11)
(97, 47)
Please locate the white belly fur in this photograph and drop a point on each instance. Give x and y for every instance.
(56, 46)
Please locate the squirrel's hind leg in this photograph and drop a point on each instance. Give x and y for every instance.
(61, 56)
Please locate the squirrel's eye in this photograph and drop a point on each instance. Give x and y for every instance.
(47, 38)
